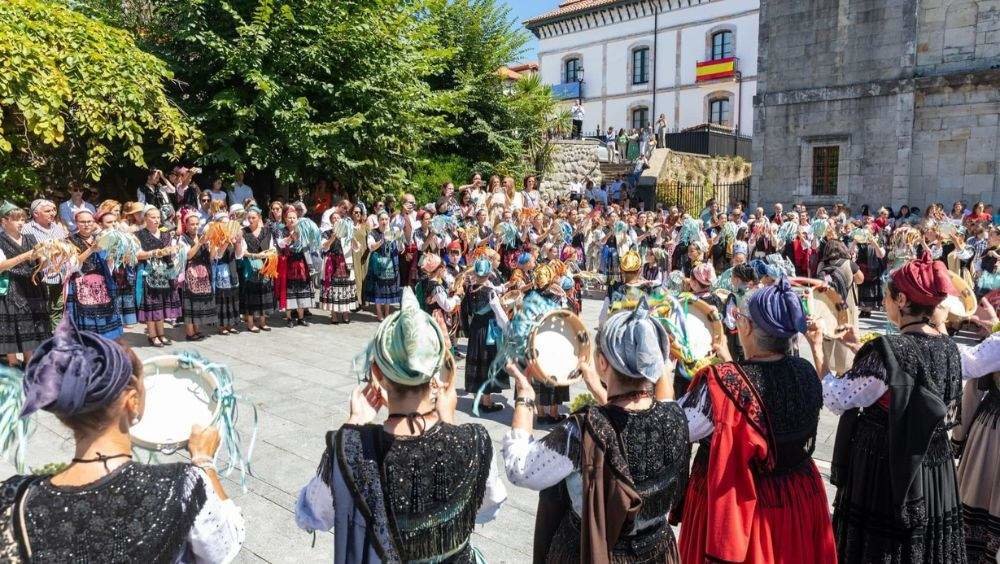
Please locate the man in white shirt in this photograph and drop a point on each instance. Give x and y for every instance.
(75, 203)
(576, 189)
(240, 191)
(615, 192)
(578, 113)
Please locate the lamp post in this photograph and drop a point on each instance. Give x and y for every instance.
(579, 81)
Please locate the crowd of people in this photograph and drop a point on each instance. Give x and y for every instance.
(721, 447)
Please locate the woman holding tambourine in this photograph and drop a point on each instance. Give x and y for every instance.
(104, 507)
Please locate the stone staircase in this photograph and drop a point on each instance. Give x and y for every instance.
(610, 171)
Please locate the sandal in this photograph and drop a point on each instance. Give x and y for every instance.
(165, 340)
(265, 328)
(194, 338)
(154, 343)
(254, 330)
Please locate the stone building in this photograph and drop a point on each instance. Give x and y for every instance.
(877, 102)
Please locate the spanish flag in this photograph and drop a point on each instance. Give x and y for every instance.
(714, 70)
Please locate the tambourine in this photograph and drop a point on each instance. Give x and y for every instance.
(694, 325)
(963, 305)
(824, 304)
(511, 302)
(178, 395)
(555, 347)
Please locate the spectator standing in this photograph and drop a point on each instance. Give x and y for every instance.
(576, 189)
(578, 113)
(240, 192)
(661, 131)
(75, 203)
(156, 191)
(601, 195)
(610, 141)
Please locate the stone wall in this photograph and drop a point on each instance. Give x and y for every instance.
(907, 90)
(571, 159)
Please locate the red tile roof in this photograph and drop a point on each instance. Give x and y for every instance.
(568, 7)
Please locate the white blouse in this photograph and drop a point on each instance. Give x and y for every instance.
(219, 529)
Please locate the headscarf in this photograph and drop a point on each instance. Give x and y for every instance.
(39, 203)
(75, 372)
(482, 267)
(429, 262)
(7, 207)
(634, 344)
(777, 310)
(924, 281)
(408, 346)
(704, 273)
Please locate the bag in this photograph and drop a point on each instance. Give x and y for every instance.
(92, 290)
(384, 267)
(4, 283)
(197, 278)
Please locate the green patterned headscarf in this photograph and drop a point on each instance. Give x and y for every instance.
(6, 207)
(408, 346)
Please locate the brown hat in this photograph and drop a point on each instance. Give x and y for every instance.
(132, 207)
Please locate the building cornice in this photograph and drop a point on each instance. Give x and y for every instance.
(597, 13)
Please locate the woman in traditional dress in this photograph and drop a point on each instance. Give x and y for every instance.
(871, 261)
(123, 275)
(382, 286)
(103, 507)
(256, 289)
(755, 494)
(359, 251)
(294, 288)
(226, 282)
(156, 286)
(836, 268)
(979, 441)
(24, 312)
(338, 294)
(90, 292)
(482, 319)
(198, 297)
(413, 488)
(894, 468)
(610, 473)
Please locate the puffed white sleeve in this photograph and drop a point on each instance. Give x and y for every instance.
(698, 410)
(219, 530)
(495, 495)
(539, 464)
(982, 359)
(498, 311)
(861, 386)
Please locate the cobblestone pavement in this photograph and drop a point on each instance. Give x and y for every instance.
(300, 380)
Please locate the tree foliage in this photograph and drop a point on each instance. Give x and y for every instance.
(77, 95)
(304, 87)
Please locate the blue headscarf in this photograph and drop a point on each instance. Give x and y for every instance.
(777, 310)
(75, 372)
(634, 344)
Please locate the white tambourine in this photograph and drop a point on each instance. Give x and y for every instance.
(555, 347)
(178, 395)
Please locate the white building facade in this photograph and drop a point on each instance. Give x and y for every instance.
(693, 61)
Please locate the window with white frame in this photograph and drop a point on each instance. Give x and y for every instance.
(720, 111)
(640, 117)
(572, 70)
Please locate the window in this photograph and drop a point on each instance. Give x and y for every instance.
(826, 161)
(640, 118)
(722, 45)
(640, 65)
(720, 111)
(573, 68)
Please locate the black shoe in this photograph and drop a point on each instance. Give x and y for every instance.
(291, 323)
(492, 408)
(303, 322)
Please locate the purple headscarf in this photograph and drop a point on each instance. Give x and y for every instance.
(777, 310)
(75, 372)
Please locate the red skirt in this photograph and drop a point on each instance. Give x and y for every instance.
(791, 523)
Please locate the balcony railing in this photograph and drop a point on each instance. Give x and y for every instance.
(567, 90)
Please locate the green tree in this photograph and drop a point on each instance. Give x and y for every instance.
(77, 95)
(297, 88)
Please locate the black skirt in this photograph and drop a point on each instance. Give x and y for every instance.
(24, 316)
(199, 309)
(480, 356)
(867, 526)
(257, 295)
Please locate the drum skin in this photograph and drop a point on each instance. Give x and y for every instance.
(177, 397)
(555, 347)
(826, 305)
(709, 329)
(962, 306)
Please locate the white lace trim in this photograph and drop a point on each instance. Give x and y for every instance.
(219, 529)
(842, 394)
(530, 464)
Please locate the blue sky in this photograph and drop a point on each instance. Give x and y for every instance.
(524, 9)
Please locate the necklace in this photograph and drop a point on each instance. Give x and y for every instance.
(102, 459)
(921, 321)
(412, 418)
(631, 396)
